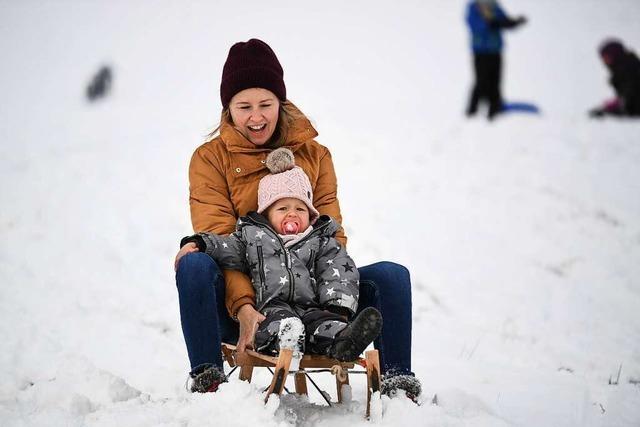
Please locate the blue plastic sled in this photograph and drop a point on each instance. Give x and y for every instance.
(520, 107)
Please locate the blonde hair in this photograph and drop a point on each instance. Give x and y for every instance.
(287, 114)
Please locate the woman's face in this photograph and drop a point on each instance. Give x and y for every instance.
(255, 114)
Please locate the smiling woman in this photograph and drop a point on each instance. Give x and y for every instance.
(255, 114)
(224, 176)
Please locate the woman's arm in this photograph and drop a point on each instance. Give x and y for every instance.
(325, 194)
(209, 198)
(212, 210)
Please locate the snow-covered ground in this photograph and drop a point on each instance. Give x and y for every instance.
(522, 236)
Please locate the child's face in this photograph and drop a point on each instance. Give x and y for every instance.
(288, 216)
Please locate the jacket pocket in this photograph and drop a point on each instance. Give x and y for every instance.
(312, 273)
(263, 279)
(312, 256)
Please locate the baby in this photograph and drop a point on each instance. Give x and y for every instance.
(305, 282)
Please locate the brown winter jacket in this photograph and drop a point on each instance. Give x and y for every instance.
(223, 186)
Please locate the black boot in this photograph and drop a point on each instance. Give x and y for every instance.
(392, 382)
(207, 379)
(354, 339)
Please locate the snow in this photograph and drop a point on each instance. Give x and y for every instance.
(291, 336)
(522, 236)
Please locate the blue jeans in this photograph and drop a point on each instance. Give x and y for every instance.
(206, 322)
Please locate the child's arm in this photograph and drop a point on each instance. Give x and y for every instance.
(337, 277)
(227, 251)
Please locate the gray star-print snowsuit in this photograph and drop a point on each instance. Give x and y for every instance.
(313, 280)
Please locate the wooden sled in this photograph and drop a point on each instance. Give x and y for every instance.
(309, 363)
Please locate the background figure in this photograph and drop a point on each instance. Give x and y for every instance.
(100, 84)
(486, 19)
(624, 67)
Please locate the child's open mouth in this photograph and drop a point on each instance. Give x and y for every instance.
(290, 227)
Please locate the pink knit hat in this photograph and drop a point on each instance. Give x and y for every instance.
(286, 180)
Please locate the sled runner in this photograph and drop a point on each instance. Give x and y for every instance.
(310, 363)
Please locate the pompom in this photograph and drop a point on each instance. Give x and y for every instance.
(280, 160)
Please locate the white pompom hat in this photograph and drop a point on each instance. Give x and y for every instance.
(285, 180)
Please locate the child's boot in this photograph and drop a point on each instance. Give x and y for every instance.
(357, 335)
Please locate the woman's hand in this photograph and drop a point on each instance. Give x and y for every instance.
(186, 249)
(249, 320)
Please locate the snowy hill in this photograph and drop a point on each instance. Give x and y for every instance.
(522, 236)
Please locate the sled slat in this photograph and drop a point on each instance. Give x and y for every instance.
(373, 376)
(246, 372)
(281, 372)
(339, 383)
(301, 383)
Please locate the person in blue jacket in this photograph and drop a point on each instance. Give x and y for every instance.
(486, 20)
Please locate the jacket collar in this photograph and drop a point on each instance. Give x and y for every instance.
(300, 132)
(326, 225)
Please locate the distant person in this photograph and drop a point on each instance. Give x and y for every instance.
(306, 284)
(100, 84)
(486, 20)
(624, 68)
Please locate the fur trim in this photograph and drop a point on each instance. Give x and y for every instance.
(280, 160)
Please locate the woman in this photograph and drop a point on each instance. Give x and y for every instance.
(217, 305)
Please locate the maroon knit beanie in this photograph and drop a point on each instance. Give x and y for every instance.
(251, 64)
